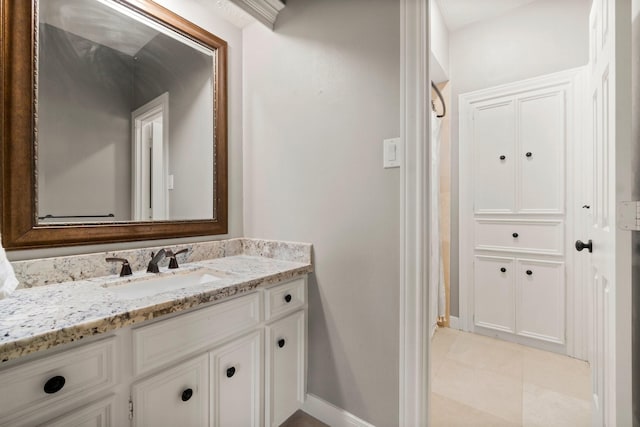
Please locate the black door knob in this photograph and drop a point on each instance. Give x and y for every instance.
(186, 395)
(54, 384)
(529, 154)
(504, 270)
(281, 342)
(231, 372)
(287, 298)
(580, 245)
(515, 235)
(529, 272)
(503, 157)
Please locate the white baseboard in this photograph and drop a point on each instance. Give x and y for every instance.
(454, 322)
(331, 414)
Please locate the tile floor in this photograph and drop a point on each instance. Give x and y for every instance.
(480, 381)
(302, 419)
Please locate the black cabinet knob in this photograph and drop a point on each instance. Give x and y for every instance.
(281, 342)
(529, 272)
(54, 384)
(515, 235)
(504, 270)
(231, 372)
(503, 157)
(186, 395)
(287, 298)
(580, 245)
(529, 154)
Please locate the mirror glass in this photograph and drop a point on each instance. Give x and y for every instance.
(125, 117)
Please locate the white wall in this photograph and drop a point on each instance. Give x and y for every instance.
(320, 95)
(439, 58)
(536, 39)
(200, 13)
(635, 16)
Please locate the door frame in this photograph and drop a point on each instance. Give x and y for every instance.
(152, 108)
(415, 114)
(575, 303)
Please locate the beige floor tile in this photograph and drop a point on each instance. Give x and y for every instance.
(548, 408)
(488, 353)
(482, 389)
(558, 373)
(449, 413)
(441, 342)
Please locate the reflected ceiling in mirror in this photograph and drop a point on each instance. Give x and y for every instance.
(114, 124)
(125, 117)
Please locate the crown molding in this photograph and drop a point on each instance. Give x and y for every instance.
(265, 11)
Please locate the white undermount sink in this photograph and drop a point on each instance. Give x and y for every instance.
(150, 284)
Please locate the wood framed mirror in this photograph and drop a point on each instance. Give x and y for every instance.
(105, 135)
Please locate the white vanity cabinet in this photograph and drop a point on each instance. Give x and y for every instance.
(243, 382)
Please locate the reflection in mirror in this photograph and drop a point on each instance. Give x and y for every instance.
(125, 123)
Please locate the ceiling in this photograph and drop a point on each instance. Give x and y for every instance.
(460, 13)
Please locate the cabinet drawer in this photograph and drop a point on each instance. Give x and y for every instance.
(56, 380)
(540, 237)
(285, 298)
(540, 302)
(163, 342)
(98, 414)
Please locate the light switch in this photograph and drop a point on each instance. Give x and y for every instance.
(391, 153)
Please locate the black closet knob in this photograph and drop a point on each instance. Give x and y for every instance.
(529, 272)
(515, 235)
(504, 270)
(503, 157)
(529, 154)
(231, 371)
(287, 298)
(281, 342)
(54, 384)
(186, 395)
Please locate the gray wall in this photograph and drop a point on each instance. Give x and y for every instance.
(200, 13)
(167, 65)
(84, 104)
(320, 95)
(539, 38)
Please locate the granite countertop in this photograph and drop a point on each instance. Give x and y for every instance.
(41, 317)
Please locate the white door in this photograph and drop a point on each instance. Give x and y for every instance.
(285, 368)
(609, 268)
(177, 396)
(236, 383)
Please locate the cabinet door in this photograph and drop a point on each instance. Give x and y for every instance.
(494, 158)
(236, 383)
(494, 293)
(98, 414)
(542, 134)
(175, 397)
(540, 300)
(285, 367)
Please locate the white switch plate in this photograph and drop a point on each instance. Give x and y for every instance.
(391, 153)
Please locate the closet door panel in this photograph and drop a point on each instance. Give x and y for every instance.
(494, 293)
(542, 133)
(540, 302)
(494, 159)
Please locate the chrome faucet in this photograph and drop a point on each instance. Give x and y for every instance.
(155, 259)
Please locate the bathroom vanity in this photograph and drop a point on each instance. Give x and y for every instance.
(230, 351)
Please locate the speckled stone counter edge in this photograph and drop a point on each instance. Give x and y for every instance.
(49, 271)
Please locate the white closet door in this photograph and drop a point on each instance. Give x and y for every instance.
(542, 133)
(494, 293)
(540, 303)
(494, 158)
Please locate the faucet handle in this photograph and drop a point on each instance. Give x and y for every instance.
(173, 262)
(126, 267)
